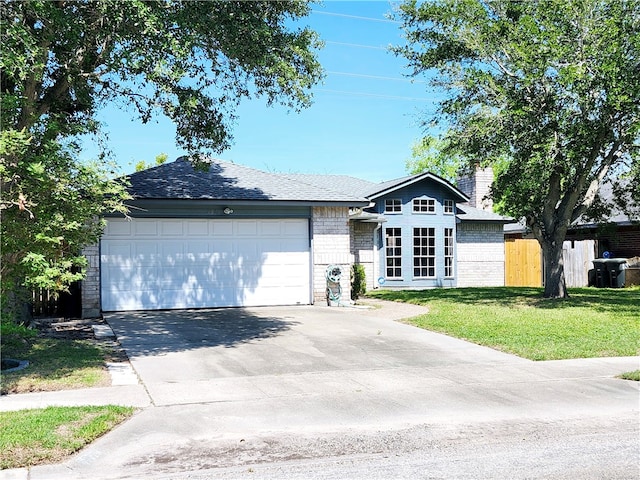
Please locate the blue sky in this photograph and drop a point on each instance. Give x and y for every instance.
(363, 121)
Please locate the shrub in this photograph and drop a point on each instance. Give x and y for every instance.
(358, 281)
(12, 333)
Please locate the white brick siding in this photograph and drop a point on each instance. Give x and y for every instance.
(480, 250)
(362, 249)
(330, 247)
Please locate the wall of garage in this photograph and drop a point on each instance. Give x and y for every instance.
(330, 246)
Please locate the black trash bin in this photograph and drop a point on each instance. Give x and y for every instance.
(601, 275)
(615, 271)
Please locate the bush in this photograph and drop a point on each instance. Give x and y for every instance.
(358, 281)
(12, 333)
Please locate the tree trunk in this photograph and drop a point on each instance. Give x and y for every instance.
(554, 282)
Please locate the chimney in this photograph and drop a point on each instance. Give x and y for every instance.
(477, 186)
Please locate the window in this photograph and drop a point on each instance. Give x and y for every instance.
(449, 206)
(424, 205)
(393, 252)
(424, 252)
(448, 252)
(393, 205)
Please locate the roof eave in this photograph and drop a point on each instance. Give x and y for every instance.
(230, 201)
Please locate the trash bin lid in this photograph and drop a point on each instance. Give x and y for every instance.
(617, 261)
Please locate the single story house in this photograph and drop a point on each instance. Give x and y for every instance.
(232, 236)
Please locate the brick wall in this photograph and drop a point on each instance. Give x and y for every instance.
(480, 251)
(621, 242)
(330, 247)
(362, 250)
(91, 284)
(477, 186)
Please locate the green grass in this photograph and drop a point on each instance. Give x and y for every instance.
(54, 364)
(33, 437)
(634, 375)
(591, 323)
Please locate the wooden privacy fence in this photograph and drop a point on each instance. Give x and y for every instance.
(524, 268)
(45, 303)
(578, 260)
(523, 262)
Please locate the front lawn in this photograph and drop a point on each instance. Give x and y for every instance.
(54, 364)
(591, 323)
(33, 437)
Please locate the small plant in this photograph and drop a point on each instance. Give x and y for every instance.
(634, 375)
(13, 334)
(358, 281)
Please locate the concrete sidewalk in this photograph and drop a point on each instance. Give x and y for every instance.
(602, 370)
(125, 395)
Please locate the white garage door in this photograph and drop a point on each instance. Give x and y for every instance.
(150, 264)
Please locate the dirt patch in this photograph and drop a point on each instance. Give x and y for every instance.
(80, 329)
(64, 354)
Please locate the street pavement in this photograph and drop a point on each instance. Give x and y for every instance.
(339, 392)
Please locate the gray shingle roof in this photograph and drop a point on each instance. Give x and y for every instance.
(339, 183)
(229, 181)
(467, 213)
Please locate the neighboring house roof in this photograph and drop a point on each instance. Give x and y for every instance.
(227, 181)
(616, 216)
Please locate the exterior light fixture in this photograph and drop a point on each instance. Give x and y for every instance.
(227, 211)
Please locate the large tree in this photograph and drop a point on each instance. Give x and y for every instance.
(61, 61)
(546, 90)
(431, 154)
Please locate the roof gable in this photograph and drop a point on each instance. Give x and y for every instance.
(391, 186)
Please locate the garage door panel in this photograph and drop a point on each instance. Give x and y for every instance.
(221, 228)
(147, 228)
(116, 229)
(197, 228)
(246, 228)
(204, 263)
(172, 228)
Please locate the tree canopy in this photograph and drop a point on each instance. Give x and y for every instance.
(430, 154)
(61, 61)
(548, 91)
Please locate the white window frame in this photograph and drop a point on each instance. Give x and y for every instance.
(393, 252)
(449, 253)
(393, 205)
(449, 207)
(426, 206)
(424, 252)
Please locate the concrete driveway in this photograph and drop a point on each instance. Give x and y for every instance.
(218, 355)
(317, 392)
